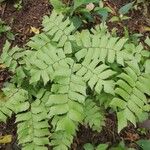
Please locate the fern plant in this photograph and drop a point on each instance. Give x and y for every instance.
(64, 78)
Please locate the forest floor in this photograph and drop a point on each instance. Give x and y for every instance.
(30, 15)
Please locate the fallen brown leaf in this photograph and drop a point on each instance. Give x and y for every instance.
(34, 30)
(5, 139)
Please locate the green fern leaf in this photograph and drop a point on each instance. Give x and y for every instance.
(100, 30)
(61, 140)
(66, 104)
(15, 101)
(33, 128)
(38, 41)
(147, 41)
(105, 47)
(97, 76)
(11, 57)
(44, 62)
(58, 29)
(94, 116)
(131, 98)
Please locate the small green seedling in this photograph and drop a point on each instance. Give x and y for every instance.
(5, 29)
(122, 13)
(18, 4)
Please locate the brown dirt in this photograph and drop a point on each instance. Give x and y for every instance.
(31, 16)
(135, 24)
(9, 128)
(109, 135)
(21, 21)
(4, 76)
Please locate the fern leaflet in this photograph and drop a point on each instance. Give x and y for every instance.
(131, 99)
(33, 128)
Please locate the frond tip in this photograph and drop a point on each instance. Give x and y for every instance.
(14, 101)
(32, 127)
(131, 99)
(94, 116)
(58, 28)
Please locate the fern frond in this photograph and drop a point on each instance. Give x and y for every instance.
(104, 99)
(94, 116)
(48, 56)
(131, 99)
(33, 128)
(134, 52)
(66, 104)
(100, 30)
(96, 74)
(38, 41)
(61, 140)
(15, 101)
(106, 48)
(44, 62)
(12, 57)
(58, 28)
(147, 64)
(147, 41)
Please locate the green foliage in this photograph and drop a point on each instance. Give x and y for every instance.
(131, 90)
(33, 127)
(12, 57)
(59, 6)
(125, 9)
(78, 3)
(144, 144)
(89, 146)
(147, 41)
(81, 11)
(93, 115)
(58, 29)
(121, 146)
(122, 13)
(15, 101)
(5, 30)
(18, 4)
(64, 78)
